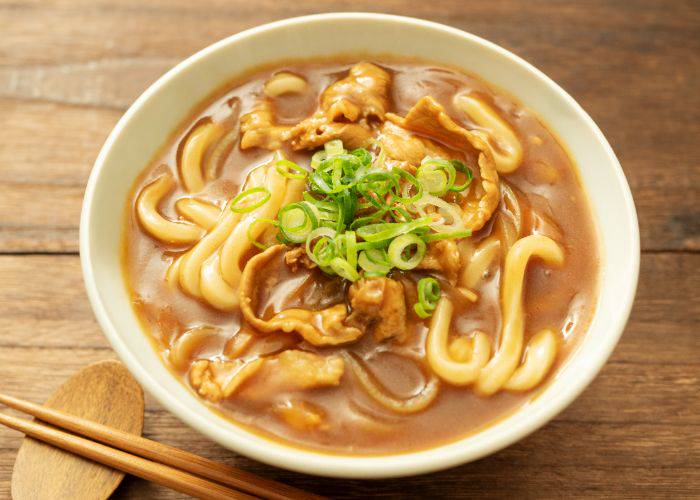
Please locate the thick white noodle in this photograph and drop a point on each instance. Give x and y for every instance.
(202, 213)
(193, 152)
(505, 145)
(457, 372)
(508, 354)
(177, 232)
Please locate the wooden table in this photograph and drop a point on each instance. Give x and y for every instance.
(69, 70)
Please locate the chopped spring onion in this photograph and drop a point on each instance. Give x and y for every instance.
(343, 269)
(447, 235)
(249, 233)
(359, 215)
(436, 175)
(290, 170)
(449, 215)
(371, 268)
(237, 205)
(428, 296)
(317, 158)
(324, 237)
(404, 197)
(400, 254)
(461, 167)
(334, 147)
(296, 221)
(388, 230)
(351, 248)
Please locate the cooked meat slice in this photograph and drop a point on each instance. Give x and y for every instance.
(378, 304)
(363, 93)
(300, 370)
(290, 370)
(297, 258)
(443, 256)
(401, 145)
(314, 132)
(258, 128)
(218, 379)
(323, 327)
(301, 415)
(428, 118)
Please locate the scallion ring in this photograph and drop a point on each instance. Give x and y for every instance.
(236, 202)
(290, 170)
(296, 221)
(461, 167)
(401, 246)
(343, 269)
(428, 296)
(388, 230)
(249, 232)
(447, 235)
(371, 268)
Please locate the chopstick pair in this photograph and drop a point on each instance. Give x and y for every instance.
(156, 462)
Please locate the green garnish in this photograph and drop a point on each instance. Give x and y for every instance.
(240, 208)
(428, 296)
(358, 218)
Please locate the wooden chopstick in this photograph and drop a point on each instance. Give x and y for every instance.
(157, 453)
(125, 462)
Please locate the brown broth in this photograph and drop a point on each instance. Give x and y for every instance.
(563, 299)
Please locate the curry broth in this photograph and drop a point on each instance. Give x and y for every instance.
(559, 298)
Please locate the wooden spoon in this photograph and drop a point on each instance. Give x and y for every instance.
(104, 392)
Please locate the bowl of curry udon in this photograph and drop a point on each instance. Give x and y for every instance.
(359, 245)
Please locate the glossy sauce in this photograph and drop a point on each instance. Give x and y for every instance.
(562, 298)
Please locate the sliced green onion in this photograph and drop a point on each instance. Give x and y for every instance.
(421, 312)
(371, 268)
(378, 256)
(445, 209)
(363, 155)
(296, 221)
(368, 219)
(411, 181)
(249, 232)
(389, 230)
(428, 292)
(343, 269)
(436, 175)
(325, 236)
(242, 209)
(333, 148)
(290, 169)
(317, 158)
(447, 235)
(461, 167)
(428, 296)
(351, 248)
(400, 246)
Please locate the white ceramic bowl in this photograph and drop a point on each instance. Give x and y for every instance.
(150, 120)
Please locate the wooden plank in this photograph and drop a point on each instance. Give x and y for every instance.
(95, 60)
(563, 456)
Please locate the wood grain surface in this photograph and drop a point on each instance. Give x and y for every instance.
(70, 68)
(104, 392)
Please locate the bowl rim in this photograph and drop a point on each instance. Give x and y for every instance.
(359, 466)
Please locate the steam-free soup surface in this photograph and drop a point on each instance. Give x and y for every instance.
(334, 411)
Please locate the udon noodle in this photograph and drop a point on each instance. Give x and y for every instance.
(362, 258)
